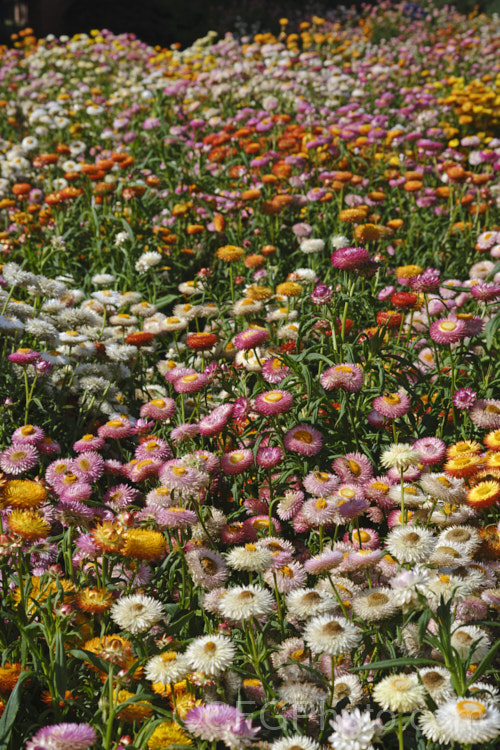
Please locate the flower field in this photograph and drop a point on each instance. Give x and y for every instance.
(249, 387)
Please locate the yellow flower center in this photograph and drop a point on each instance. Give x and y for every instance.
(236, 458)
(347, 492)
(362, 536)
(447, 326)
(190, 378)
(273, 397)
(469, 709)
(303, 436)
(354, 467)
(392, 399)
(321, 503)
(179, 471)
(159, 402)
(28, 429)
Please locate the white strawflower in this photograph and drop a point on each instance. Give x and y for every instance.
(295, 742)
(312, 246)
(250, 557)
(338, 241)
(136, 613)
(354, 730)
(243, 602)
(348, 686)
(102, 279)
(331, 635)
(470, 641)
(211, 654)
(408, 584)
(304, 603)
(410, 544)
(437, 682)
(400, 692)
(121, 352)
(121, 238)
(400, 456)
(468, 721)
(304, 274)
(166, 668)
(147, 261)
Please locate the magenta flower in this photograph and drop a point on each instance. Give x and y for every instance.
(184, 431)
(89, 443)
(273, 402)
(303, 439)
(448, 330)
(88, 466)
(220, 722)
(191, 383)
(485, 291)
(392, 405)
(215, 422)
(485, 413)
(431, 450)
(236, 461)
(269, 457)
(321, 294)
(426, 281)
(464, 398)
(159, 408)
(18, 458)
(251, 338)
(274, 370)
(24, 357)
(347, 376)
(349, 258)
(67, 736)
(30, 433)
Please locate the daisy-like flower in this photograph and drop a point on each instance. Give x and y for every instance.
(470, 641)
(251, 338)
(484, 494)
(286, 577)
(243, 602)
(166, 668)
(354, 730)
(220, 722)
(303, 439)
(158, 408)
(410, 493)
(214, 423)
(400, 693)
(445, 488)
(250, 557)
(18, 458)
(235, 462)
(207, 568)
(375, 605)
(88, 443)
(211, 654)
(191, 383)
(392, 405)
(486, 413)
(273, 402)
(320, 483)
(295, 742)
(408, 584)
(431, 450)
(118, 428)
(269, 457)
(65, 736)
(437, 682)
(448, 330)
(353, 467)
(304, 603)
(136, 613)
(88, 466)
(400, 456)
(274, 370)
(350, 257)
(28, 434)
(347, 376)
(331, 635)
(410, 545)
(464, 398)
(184, 431)
(327, 560)
(175, 475)
(468, 721)
(319, 511)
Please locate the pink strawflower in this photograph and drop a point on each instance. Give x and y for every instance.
(269, 457)
(320, 483)
(350, 257)
(325, 561)
(24, 357)
(426, 281)
(290, 504)
(464, 398)
(393, 405)
(191, 383)
(242, 408)
(251, 338)
(88, 466)
(362, 538)
(159, 408)
(48, 447)
(137, 471)
(18, 458)
(486, 413)
(176, 518)
(214, 423)
(206, 461)
(319, 511)
(273, 402)
(353, 467)
(236, 461)
(120, 496)
(485, 291)
(71, 512)
(274, 370)
(184, 431)
(287, 577)
(431, 450)
(448, 330)
(117, 428)
(89, 443)
(215, 722)
(347, 376)
(176, 475)
(303, 439)
(66, 736)
(79, 491)
(28, 434)
(154, 448)
(178, 372)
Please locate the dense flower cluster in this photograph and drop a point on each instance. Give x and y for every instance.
(249, 449)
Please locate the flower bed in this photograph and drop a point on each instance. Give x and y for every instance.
(250, 434)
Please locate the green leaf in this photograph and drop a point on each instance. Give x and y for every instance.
(11, 709)
(484, 664)
(88, 656)
(491, 329)
(391, 663)
(60, 674)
